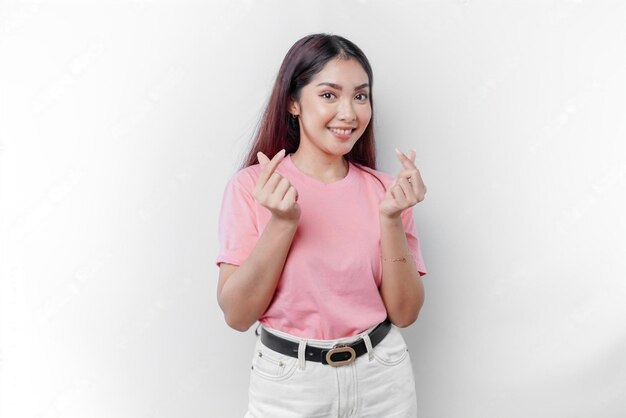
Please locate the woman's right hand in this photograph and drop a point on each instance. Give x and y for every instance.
(244, 292)
(274, 191)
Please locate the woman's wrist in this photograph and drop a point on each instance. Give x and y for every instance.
(284, 223)
(390, 220)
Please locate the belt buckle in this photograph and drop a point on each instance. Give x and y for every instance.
(340, 348)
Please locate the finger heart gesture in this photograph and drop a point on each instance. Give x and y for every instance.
(274, 191)
(406, 190)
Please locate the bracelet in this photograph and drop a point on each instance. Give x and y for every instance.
(393, 260)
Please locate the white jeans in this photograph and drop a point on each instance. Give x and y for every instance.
(378, 384)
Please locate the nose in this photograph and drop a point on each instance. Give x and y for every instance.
(346, 111)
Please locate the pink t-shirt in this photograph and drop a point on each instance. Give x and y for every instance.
(329, 287)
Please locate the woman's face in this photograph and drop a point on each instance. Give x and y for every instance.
(334, 108)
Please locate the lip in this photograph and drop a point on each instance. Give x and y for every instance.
(342, 136)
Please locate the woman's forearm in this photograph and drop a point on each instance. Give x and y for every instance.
(245, 292)
(401, 288)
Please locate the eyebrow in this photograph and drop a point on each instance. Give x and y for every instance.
(338, 87)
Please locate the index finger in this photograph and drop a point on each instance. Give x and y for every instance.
(268, 168)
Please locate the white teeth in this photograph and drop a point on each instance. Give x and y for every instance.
(341, 131)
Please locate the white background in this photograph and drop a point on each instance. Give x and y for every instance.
(122, 121)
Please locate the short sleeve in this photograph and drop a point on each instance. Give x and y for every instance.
(237, 229)
(412, 239)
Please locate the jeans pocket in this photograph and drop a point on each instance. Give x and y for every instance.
(392, 349)
(271, 365)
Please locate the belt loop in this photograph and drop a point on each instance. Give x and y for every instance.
(301, 354)
(368, 345)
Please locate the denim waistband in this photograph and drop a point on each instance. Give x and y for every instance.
(319, 343)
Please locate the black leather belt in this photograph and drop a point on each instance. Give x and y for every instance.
(339, 355)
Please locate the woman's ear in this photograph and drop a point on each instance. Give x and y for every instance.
(294, 108)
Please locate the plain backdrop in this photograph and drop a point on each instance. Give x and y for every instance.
(121, 122)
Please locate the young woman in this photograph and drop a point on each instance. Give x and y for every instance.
(320, 248)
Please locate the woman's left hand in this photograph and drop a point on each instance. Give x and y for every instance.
(407, 189)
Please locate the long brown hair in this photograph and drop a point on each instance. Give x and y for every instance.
(277, 129)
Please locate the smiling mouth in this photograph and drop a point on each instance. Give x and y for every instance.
(341, 131)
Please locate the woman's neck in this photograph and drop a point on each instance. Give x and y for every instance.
(326, 169)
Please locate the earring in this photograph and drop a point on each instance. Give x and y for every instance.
(294, 116)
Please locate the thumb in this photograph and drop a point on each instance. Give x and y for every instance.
(263, 160)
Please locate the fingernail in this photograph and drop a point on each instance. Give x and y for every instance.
(282, 151)
(398, 152)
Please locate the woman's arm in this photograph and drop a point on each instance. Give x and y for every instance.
(244, 292)
(401, 289)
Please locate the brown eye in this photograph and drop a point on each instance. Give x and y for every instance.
(327, 95)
